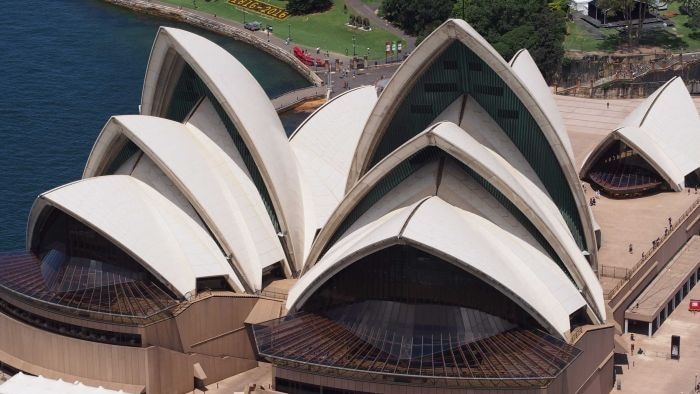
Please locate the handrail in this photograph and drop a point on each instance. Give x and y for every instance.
(646, 256)
(642, 69)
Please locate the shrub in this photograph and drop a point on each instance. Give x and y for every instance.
(302, 7)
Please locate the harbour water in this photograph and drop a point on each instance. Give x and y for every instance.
(66, 66)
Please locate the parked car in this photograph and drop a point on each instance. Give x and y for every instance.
(252, 26)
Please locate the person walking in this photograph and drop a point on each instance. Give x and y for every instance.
(630, 248)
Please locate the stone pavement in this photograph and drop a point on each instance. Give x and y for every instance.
(637, 221)
(654, 372)
(368, 76)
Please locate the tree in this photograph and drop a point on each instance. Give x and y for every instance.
(417, 17)
(302, 7)
(626, 7)
(692, 9)
(510, 25)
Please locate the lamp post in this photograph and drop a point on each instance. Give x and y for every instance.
(353, 45)
(268, 32)
(243, 17)
(289, 32)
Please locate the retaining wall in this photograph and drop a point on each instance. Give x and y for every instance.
(218, 26)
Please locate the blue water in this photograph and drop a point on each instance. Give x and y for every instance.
(66, 66)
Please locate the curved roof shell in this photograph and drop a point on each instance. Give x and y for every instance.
(144, 224)
(503, 90)
(220, 191)
(526, 69)
(664, 129)
(530, 200)
(248, 108)
(502, 260)
(325, 143)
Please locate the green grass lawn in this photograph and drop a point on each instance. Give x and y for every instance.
(692, 39)
(579, 39)
(326, 30)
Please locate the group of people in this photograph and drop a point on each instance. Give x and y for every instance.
(593, 199)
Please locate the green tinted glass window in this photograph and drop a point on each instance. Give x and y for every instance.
(434, 90)
(188, 93)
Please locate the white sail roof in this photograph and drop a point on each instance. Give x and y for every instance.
(402, 84)
(144, 224)
(219, 190)
(517, 188)
(524, 66)
(665, 130)
(325, 143)
(511, 265)
(251, 112)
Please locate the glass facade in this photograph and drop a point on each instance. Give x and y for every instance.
(188, 93)
(71, 330)
(416, 319)
(519, 216)
(73, 268)
(403, 278)
(389, 181)
(457, 71)
(620, 171)
(292, 387)
(403, 170)
(127, 151)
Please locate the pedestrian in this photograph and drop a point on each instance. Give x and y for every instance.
(669, 222)
(632, 347)
(608, 104)
(630, 248)
(696, 189)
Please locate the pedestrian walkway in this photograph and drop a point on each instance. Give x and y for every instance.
(653, 371)
(666, 292)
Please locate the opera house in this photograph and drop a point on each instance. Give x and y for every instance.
(432, 239)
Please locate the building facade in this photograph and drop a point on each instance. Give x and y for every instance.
(432, 239)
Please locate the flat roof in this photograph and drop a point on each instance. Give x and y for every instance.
(664, 287)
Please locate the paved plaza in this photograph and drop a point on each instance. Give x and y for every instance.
(654, 371)
(635, 221)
